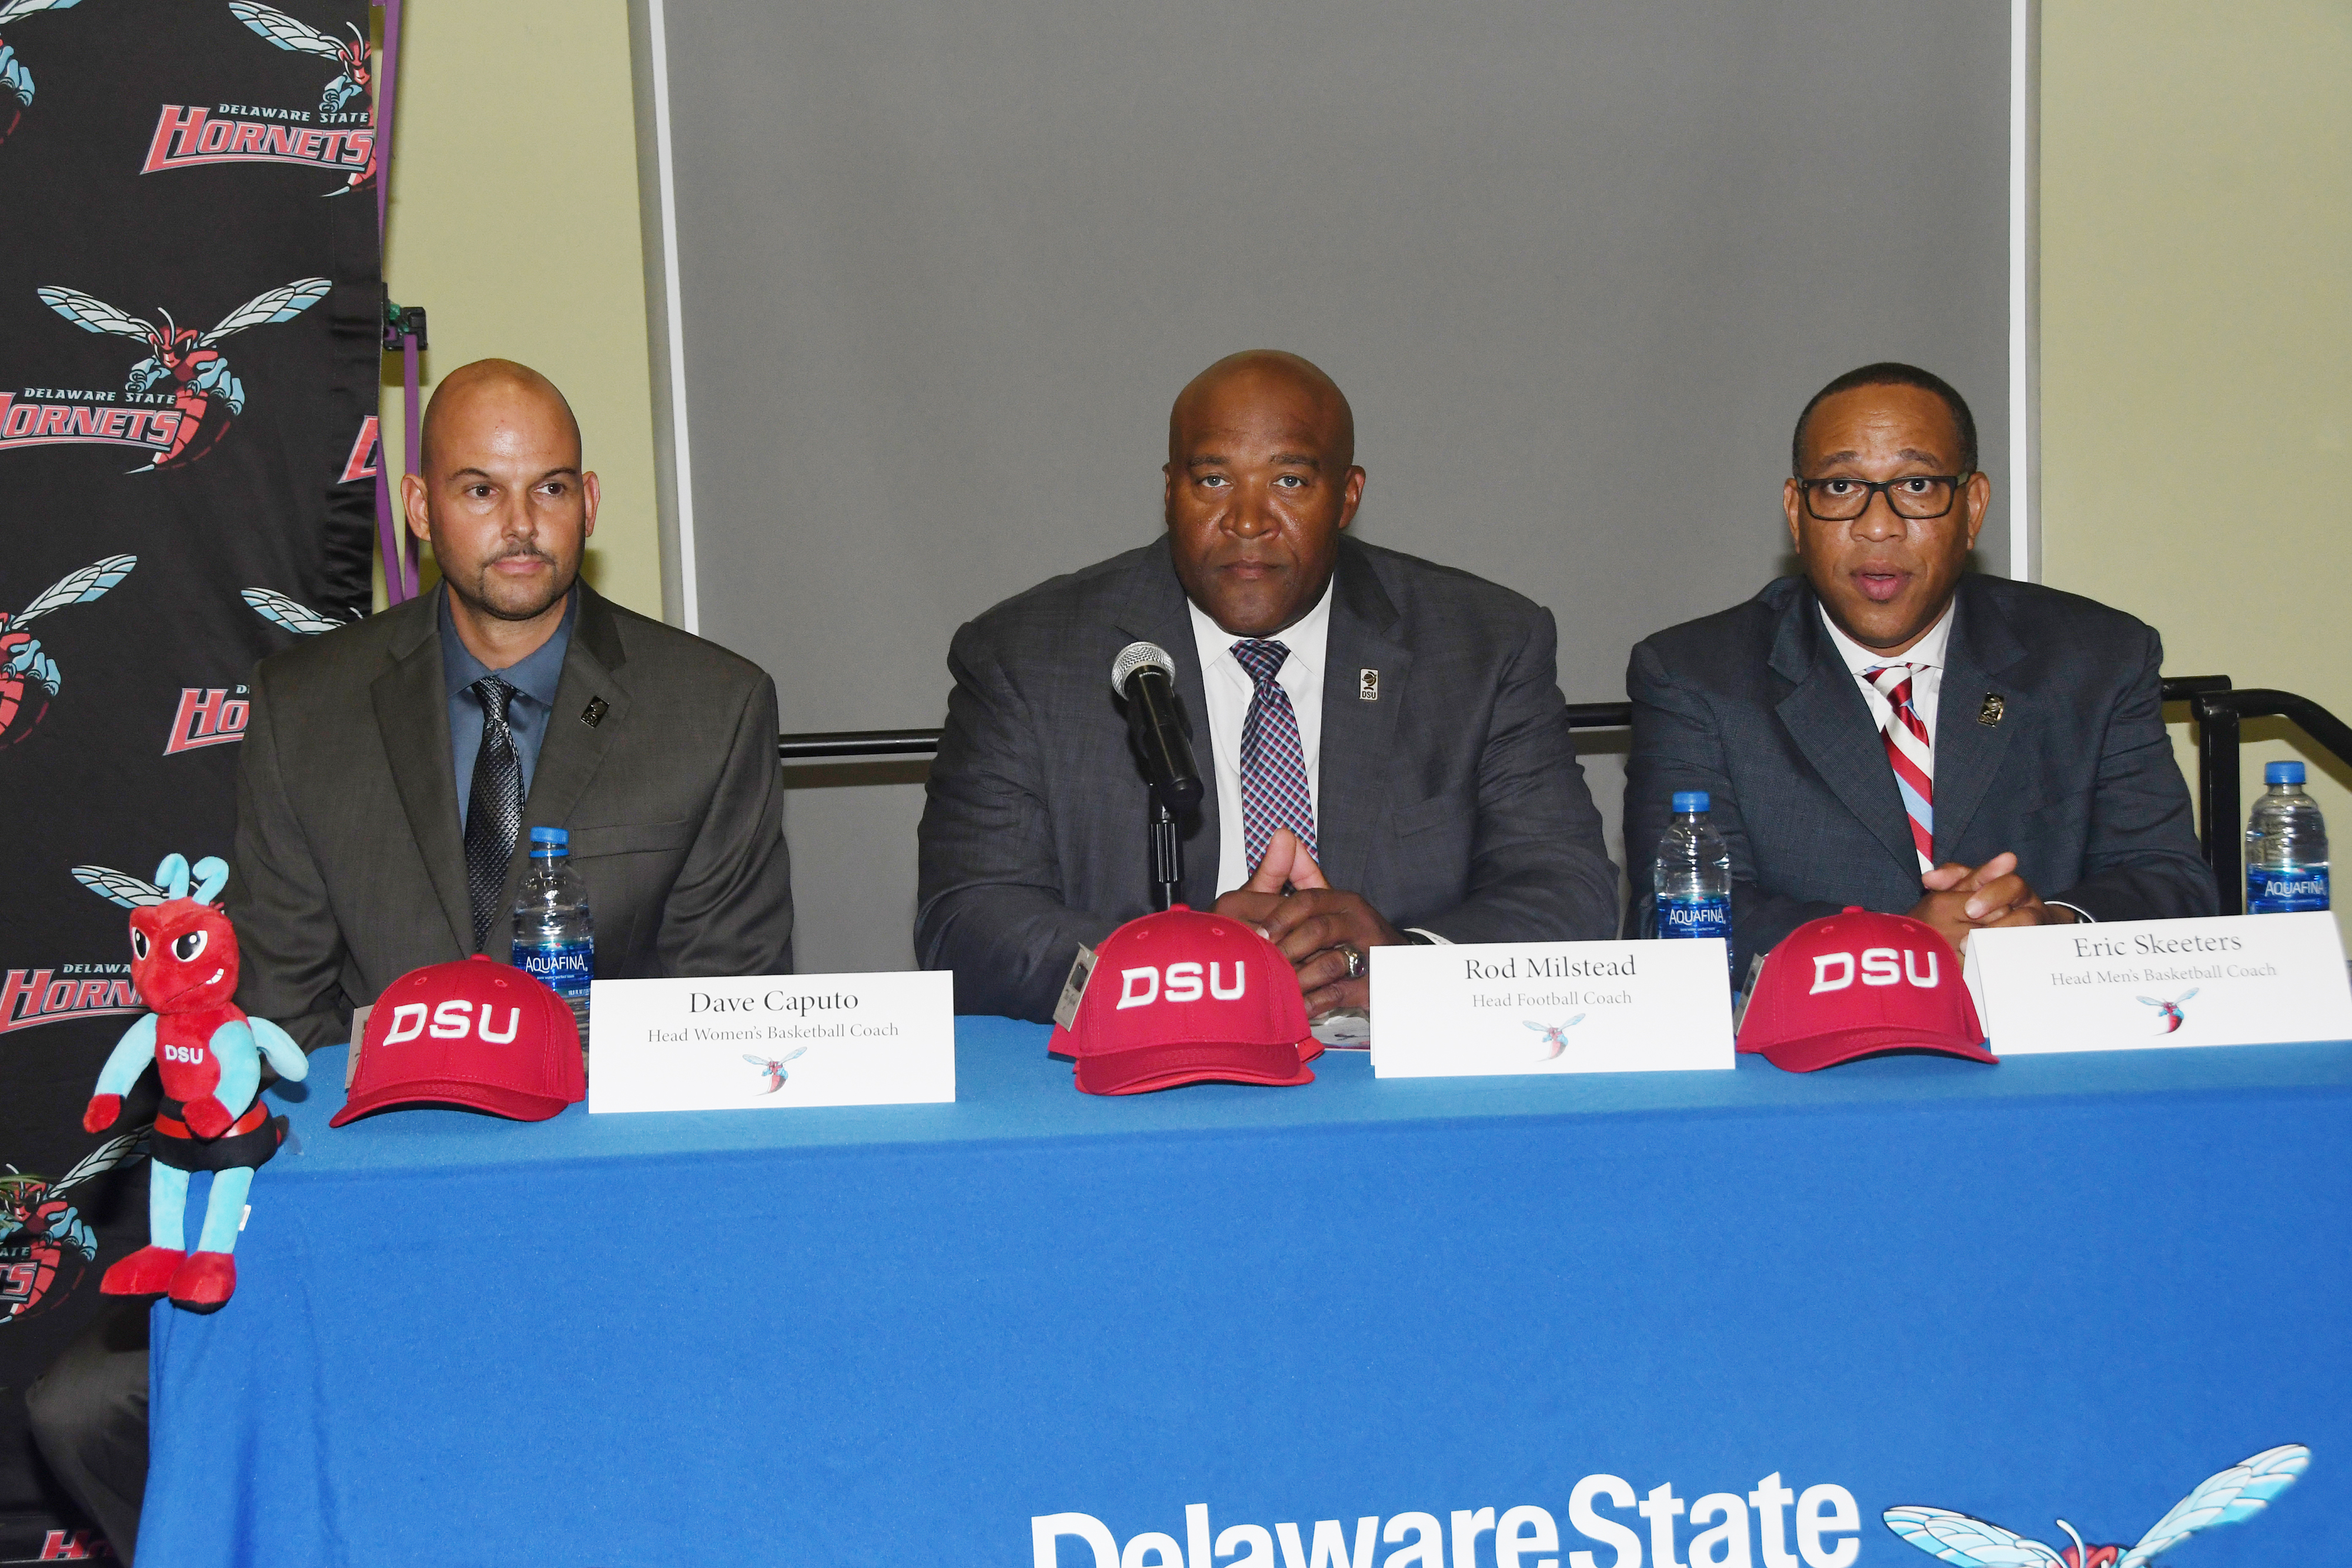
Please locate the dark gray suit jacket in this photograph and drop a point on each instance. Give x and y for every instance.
(1453, 802)
(1755, 707)
(350, 869)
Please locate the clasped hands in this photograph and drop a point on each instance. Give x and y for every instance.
(1292, 905)
(1961, 899)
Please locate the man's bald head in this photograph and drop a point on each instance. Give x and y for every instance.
(1261, 479)
(1268, 369)
(473, 397)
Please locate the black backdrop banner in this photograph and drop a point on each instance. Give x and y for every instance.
(190, 322)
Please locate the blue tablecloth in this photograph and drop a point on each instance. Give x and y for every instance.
(2065, 1286)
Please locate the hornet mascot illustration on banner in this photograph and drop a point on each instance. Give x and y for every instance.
(2227, 1497)
(350, 56)
(207, 392)
(14, 78)
(45, 1243)
(29, 679)
(208, 1054)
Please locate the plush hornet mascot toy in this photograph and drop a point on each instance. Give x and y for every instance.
(208, 1054)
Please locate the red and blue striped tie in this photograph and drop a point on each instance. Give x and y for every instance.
(1914, 759)
(1274, 766)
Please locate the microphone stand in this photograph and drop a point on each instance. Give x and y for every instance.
(1167, 853)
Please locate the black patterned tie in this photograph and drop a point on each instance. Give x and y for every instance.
(1274, 793)
(494, 811)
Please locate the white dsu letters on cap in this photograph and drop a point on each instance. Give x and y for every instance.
(407, 1023)
(1132, 995)
(1821, 981)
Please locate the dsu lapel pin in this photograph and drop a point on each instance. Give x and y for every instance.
(1995, 704)
(594, 714)
(1367, 686)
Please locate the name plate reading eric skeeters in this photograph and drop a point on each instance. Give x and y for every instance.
(772, 1042)
(2233, 979)
(1550, 1007)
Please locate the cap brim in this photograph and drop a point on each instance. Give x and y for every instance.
(515, 1104)
(1154, 1067)
(1816, 1051)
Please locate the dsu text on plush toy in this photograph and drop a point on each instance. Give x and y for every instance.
(208, 1054)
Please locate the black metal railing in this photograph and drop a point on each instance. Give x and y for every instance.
(2214, 706)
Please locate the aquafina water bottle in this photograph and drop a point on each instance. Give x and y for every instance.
(553, 938)
(2287, 847)
(1692, 875)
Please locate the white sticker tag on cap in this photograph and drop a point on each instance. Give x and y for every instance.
(1074, 988)
(359, 1033)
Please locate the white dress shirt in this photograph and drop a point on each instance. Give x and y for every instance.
(1927, 683)
(1230, 692)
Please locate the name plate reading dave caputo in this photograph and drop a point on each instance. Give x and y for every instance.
(1511, 1008)
(772, 1042)
(2140, 985)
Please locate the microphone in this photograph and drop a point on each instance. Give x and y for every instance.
(1145, 675)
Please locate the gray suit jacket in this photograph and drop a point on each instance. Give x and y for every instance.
(1755, 707)
(1453, 802)
(350, 869)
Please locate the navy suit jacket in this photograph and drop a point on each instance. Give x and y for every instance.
(2076, 776)
(1453, 801)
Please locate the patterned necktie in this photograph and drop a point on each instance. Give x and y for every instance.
(1274, 766)
(1914, 759)
(494, 811)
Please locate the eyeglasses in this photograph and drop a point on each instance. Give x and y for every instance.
(1918, 497)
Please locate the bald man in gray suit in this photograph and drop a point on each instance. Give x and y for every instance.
(1385, 736)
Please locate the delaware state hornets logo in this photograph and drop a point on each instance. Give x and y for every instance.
(205, 396)
(16, 81)
(337, 135)
(216, 716)
(29, 679)
(45, 1246)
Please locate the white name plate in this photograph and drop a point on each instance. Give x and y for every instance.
(772, 1042)
(2240, 979)
(1550, 1007)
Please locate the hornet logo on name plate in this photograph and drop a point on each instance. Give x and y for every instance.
(2226, 1497)
(772, 1068)
(2169, 1015)
(176, 403)
(337, 136)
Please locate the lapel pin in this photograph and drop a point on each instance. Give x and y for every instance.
(1995, 704)
(1367, 686)
(594, 714)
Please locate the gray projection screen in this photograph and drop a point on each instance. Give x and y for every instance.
(925, 276)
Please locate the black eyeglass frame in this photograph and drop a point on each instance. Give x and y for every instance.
(1875, 487)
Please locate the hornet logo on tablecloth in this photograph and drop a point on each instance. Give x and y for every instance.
(1555, 1035)
(774, 1067)
(337, 136)
(29, 679)
(189, 394)
(45, 1246)
(16, 81)
(2168, 1014)
(2229, 1496)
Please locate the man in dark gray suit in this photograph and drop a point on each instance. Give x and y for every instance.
(1387, 736)
(1890, 731)
(389, 768)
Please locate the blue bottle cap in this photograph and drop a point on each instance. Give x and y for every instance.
(558, 837)
(2283, 773)
(1690, 800)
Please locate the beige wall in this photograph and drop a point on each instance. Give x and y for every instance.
(2197, 338)
(514, 223)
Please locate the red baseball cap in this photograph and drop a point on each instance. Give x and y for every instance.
(1186, 997)
(476, 1034)
(1858, 984)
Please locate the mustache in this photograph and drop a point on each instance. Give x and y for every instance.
(520, 552)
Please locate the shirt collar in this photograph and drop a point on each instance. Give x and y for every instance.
(1306, 638)
(1927, 653)
(536, 675)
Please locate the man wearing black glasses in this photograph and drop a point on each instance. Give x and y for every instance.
(1891, 731)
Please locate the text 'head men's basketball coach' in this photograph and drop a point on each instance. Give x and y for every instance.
(1388, 735)
(392, 770)
(1894, 731)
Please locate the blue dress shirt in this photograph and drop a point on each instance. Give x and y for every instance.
(534, 679)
